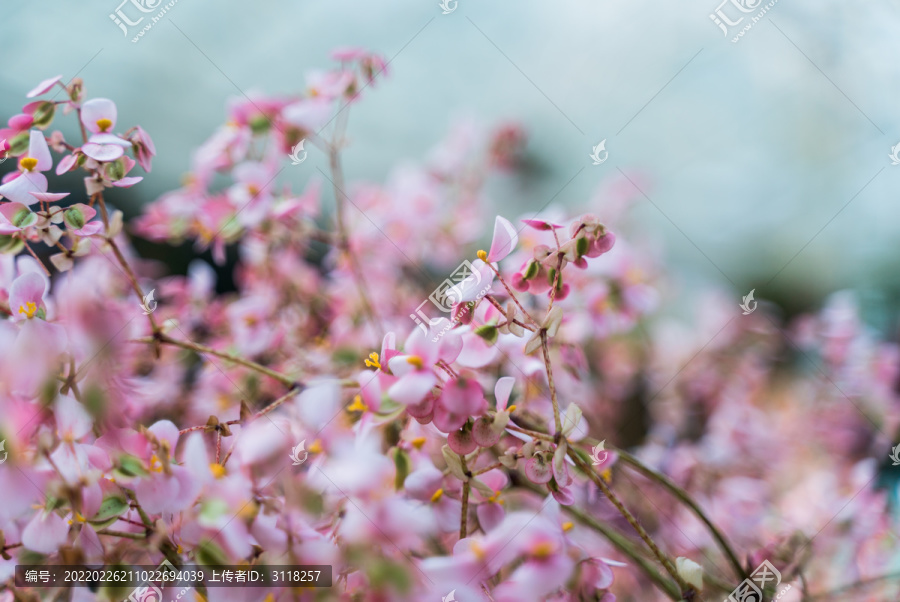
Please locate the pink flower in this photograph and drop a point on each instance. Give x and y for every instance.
(415, 369)
(26, 301)
(30, 179)
(99, 117)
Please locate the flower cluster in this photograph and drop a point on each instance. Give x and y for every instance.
(460, 457)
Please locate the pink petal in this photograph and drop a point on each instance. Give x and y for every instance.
(308, 114)
(66, 164)
(96, 109)
(20, 122)
(72, 420)
(43, 87)
(412, 388)
(538, 224)
(504, 241)
(489, 515)
(38, 149)
(45, 533)
(102, 152)
(111, 139)
(156, 492)
(127, 182)
(19, 189)
(564, 496)
(89, 229)
(165, 430)
(502, 391)
(49, 197)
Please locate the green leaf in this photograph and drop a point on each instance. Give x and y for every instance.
(403, 466)
(132, 466)
(110, 509)
(488, 332)
(531, 270)
(210, 554)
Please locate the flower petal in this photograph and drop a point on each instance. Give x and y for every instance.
(19, 189)
(504, 241)
(43, 87)
(102, 152)
(38, 149)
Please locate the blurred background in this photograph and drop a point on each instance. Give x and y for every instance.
(763, 163)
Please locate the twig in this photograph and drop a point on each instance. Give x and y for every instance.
(663, 559)
(546, 350)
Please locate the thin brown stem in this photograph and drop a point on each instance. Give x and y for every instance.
(511, 294)
(122, 534)
(686, 590)
(620, 542)
(167, 340)
(546, 350)
(686, 499)
(36, 258)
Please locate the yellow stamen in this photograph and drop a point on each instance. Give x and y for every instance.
(155, 464)
(253, 190)
(418, 442)
(179, 549)
(568, 526)
(358, 405)
(316, 447)
(104, 124)
(416, 361)
(496, 497)
(482, 255)
(28, 163)
(511, 409)
(437, 495)
(606, 475)
(248, 511)
(373, 362)
(28, 309)
(477, 550)
(542, 550)
(217, 470)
